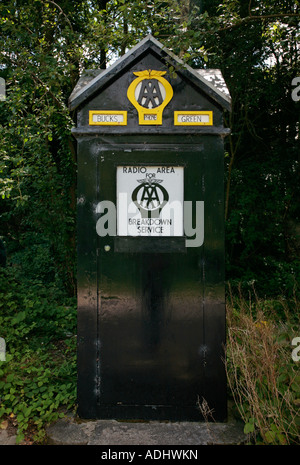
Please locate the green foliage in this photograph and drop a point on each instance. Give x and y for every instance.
(38, 378)
(259, 58)
(264, 379)
(36, 161)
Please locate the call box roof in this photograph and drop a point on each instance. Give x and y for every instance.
(209, 81)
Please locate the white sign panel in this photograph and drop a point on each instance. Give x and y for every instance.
(107, 118)
(150, 200)
(193, 118)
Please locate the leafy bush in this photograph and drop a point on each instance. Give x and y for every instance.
(263, 377)
(37, 379)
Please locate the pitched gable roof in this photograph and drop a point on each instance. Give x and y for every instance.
(209, 81)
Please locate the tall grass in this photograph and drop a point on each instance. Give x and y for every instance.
(263, 377)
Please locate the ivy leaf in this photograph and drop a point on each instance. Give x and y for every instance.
(249, 427)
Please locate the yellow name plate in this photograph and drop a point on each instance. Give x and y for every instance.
(107, 118)
(193, 118)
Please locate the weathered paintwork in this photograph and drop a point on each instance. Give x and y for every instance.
(151, 312)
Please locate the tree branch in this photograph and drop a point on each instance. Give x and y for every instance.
(39, 81)
(258, 18)
(61, 12)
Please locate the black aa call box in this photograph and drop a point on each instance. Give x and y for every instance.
(151, 304)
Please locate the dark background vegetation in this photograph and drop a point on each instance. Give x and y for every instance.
(44, 46)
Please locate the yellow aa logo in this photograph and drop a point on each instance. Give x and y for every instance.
(149, 93)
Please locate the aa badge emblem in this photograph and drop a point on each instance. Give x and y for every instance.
(150, 197)
(149, 93)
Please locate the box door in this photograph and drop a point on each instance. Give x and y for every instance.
(150, 291)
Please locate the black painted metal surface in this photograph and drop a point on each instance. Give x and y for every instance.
(151, 311)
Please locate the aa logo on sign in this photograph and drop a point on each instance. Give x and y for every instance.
(150, 196)
(150, 92)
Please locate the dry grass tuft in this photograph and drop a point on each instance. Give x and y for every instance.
(262, 375)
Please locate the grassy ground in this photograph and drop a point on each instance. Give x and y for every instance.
(263, 367)
(38, 377)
